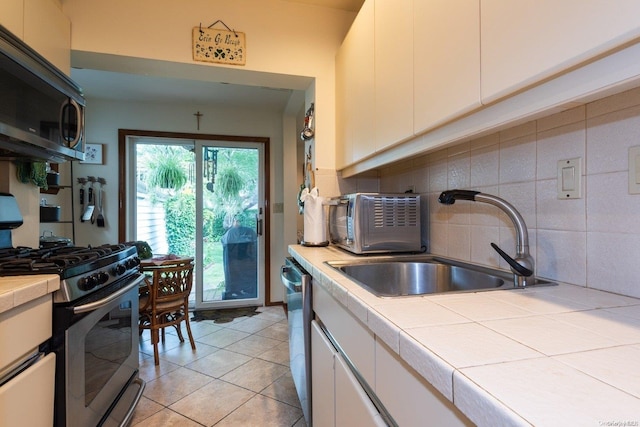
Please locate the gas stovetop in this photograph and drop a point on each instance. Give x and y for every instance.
(82, 270)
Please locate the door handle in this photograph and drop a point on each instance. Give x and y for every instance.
(258, 226)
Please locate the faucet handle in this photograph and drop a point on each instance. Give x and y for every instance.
(450, 196)
(515, 265)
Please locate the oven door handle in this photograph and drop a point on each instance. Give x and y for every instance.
(105, 301)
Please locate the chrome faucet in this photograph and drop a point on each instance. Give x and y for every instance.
(522, 265)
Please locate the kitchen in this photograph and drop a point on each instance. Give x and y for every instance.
(519, 148)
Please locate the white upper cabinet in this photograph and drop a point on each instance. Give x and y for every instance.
(11, 16)
(48, 31)
(527, 41)
(446, 61)
(355, 90)
(393, 41)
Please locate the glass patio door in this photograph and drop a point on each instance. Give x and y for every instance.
(228, 243)
(204, 199)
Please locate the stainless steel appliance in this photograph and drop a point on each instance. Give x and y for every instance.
(42, 110)
(375, 223)
(300, 314)
(95, 334)
(95, 317)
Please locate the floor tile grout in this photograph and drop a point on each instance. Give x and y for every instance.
(193, 397)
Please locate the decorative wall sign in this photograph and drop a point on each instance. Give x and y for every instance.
(220, 46)
(93, 154)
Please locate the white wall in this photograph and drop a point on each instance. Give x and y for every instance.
(282, 39)
(103, 120)
(593, 241)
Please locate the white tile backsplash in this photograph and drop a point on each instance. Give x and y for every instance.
(558, 214)
(608, 140)
(459, 167)
(561, 255)
(485, 170)
(518, 159)
(612, 262)
(610, 208)
(593, 241)
(562, 143)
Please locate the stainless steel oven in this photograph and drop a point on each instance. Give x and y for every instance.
(98, 357)
(94, 329)
(94, 324)
(95, 336)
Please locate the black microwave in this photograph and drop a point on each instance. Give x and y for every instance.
(41, 109)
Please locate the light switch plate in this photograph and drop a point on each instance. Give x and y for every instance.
(634, 170)
(570, 178)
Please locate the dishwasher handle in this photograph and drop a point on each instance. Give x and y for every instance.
(294, 284)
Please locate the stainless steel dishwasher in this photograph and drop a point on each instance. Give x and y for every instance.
(300, 313)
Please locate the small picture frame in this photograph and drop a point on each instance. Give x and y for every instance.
(93, 154)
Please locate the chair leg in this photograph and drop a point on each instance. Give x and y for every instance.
(179, 331)
(154, 341)
(186, 319)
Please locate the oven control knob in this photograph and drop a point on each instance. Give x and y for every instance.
(87, 283)
(120, 269)
(102, 278)
(132, 263)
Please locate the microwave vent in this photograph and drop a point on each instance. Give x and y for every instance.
(398, 211)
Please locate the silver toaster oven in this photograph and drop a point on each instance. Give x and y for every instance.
(365, 223)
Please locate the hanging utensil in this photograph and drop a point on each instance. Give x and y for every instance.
(307, 133)
(100, 219)
(82, 182)
(89, 211)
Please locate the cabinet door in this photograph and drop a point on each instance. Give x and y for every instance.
(446, 61)
(27, 399)
(48, 31)
(526, 41)
(322, 384)
(409, 398)
(352, 336)
(393, 41)
(353, 406)
(355, 90)
(11, 16)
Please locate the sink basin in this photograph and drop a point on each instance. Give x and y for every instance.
(391, 277)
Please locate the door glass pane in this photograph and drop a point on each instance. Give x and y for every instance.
(201, 199)
(165, 199)
(230, 211)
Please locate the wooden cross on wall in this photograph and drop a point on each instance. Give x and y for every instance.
(198, 115)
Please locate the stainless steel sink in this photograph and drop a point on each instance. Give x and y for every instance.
(402, 276)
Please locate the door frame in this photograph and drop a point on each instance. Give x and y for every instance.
(123, 134)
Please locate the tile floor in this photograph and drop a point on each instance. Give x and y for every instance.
(238, 376)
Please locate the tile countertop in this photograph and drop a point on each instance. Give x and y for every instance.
(17, 290)
(553, 355)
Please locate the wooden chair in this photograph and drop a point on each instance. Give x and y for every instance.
(164, 301)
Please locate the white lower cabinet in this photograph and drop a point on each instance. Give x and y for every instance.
(338, 398)
(408, 397)
(322, 378)
(341, 345)
(353, 406)
(27, 376)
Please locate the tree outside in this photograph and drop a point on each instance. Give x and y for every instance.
(166, 179)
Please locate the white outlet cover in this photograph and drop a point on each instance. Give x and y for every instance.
(570, 178)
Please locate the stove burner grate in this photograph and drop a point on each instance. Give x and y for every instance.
(56, 260)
